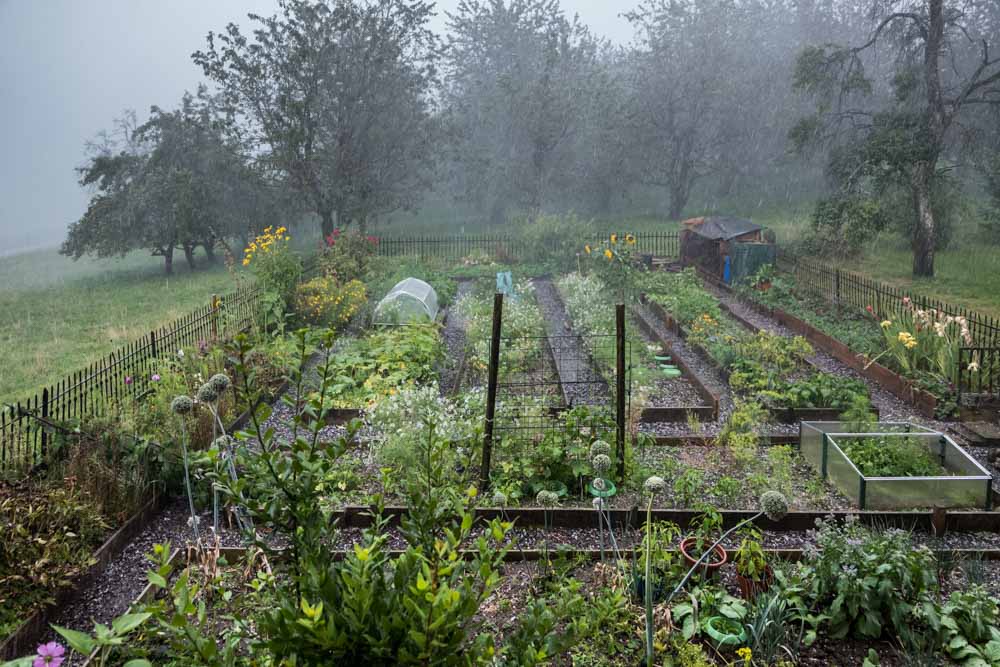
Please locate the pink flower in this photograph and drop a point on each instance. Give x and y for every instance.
(128, 379)
(869, 309)
(156, 377)
(50, 655)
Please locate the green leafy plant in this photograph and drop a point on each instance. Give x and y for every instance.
(892, 456)
(749, 559)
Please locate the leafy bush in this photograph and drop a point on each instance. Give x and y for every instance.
(554, 239)
(864, 582)
(273, 262)
(49, 533)
(346, 255)
(325, 302)
(384, 362)
(892, 457)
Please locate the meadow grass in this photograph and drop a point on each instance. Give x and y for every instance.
(59, 315)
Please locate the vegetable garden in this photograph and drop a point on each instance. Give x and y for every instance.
(604, 465)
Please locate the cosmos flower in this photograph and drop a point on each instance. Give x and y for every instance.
(50, 655)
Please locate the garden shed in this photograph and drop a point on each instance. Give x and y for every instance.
(410, 300)
(727, 248)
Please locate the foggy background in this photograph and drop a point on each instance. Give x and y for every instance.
(67, 68)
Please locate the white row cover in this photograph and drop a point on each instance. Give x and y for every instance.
(408, 301)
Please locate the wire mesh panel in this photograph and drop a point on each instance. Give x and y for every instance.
(540, 377)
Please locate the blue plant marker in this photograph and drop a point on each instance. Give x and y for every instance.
(505, 284)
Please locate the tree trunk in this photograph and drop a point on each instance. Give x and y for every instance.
(168, 261)
(923, 234)
(189, 255)
(923, 172)
(209, 247)
(326, 222)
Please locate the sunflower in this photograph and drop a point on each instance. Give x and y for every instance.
(614, 238)
(608, 253)
(629, 239)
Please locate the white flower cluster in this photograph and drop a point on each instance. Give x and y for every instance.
(407, 414)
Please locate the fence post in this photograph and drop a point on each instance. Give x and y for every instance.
(152, 343)
(836, 297)
(491, 392)
(215, 317)
(620, 398)
(45, 417)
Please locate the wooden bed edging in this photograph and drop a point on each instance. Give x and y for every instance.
(708, 411)
(357, 516)
(25, 638)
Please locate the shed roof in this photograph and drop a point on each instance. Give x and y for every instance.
(721, 227)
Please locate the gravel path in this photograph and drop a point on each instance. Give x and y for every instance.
(453, 336)
(580, 379)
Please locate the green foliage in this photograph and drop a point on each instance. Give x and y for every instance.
(382, 363)
(965, 626)
(749, 558)
(554, 239)
(843, 225)
(347, 255)
(50, 532)
(892, 456)
(864, 583)
(704, 602)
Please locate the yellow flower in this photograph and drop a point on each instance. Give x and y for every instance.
(746, 654)
(910, 344)
(246, 262)
(629, 239)
(608, 253)
(886, 324)
(587, 248)
(614, 238)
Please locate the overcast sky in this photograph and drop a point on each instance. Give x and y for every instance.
(68, 68)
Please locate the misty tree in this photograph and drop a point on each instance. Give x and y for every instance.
(944, 65)
(684, 68)
(162, 186)
(518, 75)
(336, 96)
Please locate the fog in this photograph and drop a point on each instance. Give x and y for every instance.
(67, 68)
(873, 116)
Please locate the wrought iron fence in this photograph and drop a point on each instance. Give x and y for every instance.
(501, 246)
(123, 374)
(850, 289)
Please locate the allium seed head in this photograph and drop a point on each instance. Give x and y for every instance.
(601, 463)
(774, 505)
(547, 498)
(207, 393)
(220, 381)
(654, 485)
(182, 405)
(600, 447)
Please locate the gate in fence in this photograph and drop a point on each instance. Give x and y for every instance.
(535, 384)
(978, 376)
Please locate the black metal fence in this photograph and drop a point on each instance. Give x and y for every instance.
(850, 289)
(501, 246)
(123, 374)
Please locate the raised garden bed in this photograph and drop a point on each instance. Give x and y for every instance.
(927, 469)
(780, 414)
(896, 384)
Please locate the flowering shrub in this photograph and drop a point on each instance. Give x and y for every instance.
(402, 419)
(521, 319)
(865, 582)
(323, 301)
(613, 260)
(919, 340)
(271, 259)
(346, 254)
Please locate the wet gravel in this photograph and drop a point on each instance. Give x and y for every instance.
(581, 381)
(453, 337)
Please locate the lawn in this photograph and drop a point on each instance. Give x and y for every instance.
(60, 315)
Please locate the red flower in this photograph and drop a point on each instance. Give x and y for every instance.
(869, 309)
